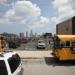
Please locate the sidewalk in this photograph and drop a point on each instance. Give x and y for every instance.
(34, 54)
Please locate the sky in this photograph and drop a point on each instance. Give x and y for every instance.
(40, 16)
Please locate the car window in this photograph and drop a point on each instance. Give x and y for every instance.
(3, 69)
(14, 62)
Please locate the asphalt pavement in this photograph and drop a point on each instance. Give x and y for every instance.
(47, 66)
(42, 63)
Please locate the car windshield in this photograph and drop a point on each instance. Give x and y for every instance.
(3, 70)
(41, 41)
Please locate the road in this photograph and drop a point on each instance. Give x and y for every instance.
(28, 46)
(47, 66)
(31, 46)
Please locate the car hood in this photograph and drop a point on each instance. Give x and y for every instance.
(41, 44)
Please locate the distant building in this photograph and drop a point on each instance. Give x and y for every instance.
(47, 35)
(26, 34)
(21, 35)
(31, 34)
(67, 27)
(8, 36)
(35, 35)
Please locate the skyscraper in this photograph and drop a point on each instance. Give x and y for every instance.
(31, 33)
(22, 35)
(26, 34)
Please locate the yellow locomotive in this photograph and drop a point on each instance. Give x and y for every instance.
(64, 47)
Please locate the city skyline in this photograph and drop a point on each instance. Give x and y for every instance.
(41, 16)
(22, 34)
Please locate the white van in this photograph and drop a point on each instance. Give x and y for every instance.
(10, 64)
(41, 44)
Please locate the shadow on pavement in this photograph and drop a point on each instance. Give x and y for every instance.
(54, 62)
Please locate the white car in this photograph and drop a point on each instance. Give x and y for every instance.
(10, 64)
(41, 44)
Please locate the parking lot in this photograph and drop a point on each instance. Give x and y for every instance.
(47, 66)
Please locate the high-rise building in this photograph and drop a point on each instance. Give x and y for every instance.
(26, 34)
(22, 35)
(31, 33)
(35, 35)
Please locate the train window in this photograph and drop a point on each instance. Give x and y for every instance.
(73, 44)
(67, 43)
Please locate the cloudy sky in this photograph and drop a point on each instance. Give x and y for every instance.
(38, 15)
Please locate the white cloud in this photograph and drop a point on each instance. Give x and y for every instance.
(2, 1)
(26, 13)
(23, 10)
(65, 9)
(42, 22)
